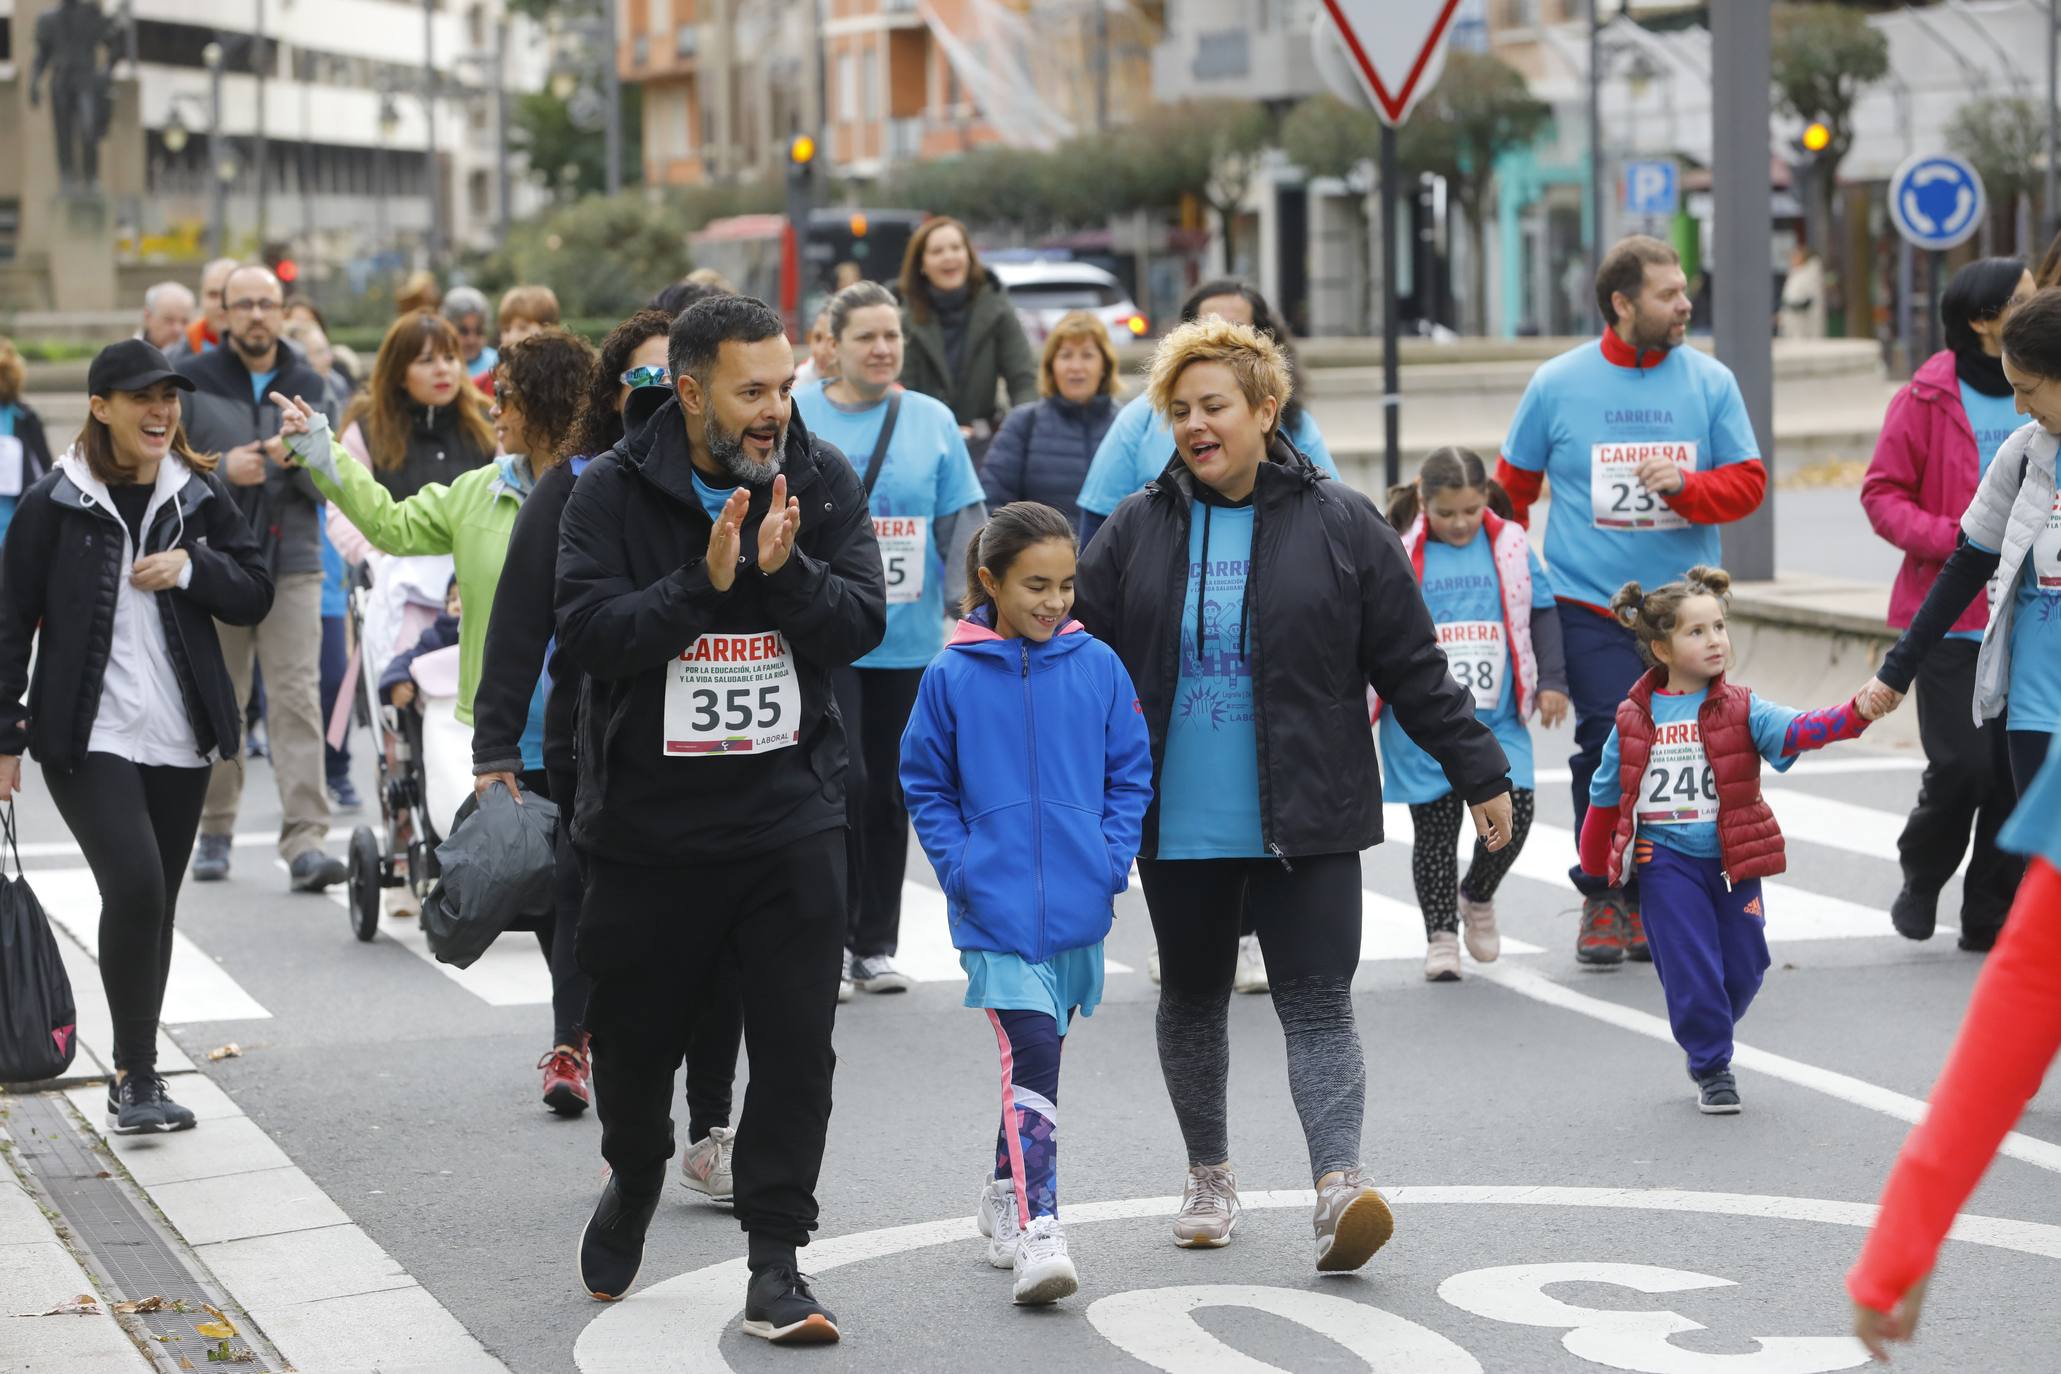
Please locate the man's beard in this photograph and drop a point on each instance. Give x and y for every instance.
(1650, 337)
(727, 449)
(248, 349)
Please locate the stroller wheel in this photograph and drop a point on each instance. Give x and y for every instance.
(363, 883)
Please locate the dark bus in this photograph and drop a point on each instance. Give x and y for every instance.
(757, 253)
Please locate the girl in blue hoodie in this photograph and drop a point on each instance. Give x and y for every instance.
(1027, 772)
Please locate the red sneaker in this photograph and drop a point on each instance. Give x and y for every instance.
(568, 1081)
(1635, 947)
(1602, 939)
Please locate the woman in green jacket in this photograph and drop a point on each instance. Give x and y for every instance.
(540, 384)
(964, 337)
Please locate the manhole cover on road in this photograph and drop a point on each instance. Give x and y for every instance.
(129, 1252)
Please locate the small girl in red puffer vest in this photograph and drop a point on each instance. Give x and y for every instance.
(1679, 789)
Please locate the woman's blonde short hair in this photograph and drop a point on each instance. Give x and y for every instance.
(1074, 327)
(1254, 359)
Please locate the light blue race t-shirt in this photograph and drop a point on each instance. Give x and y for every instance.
(1209, 780)
(1588, 423)
(260, 383)
(2034, 829)
(1677, 803)
(712, 499)
(1464, 594)
(2035, 686)
(1139, 445)
(927, 476)
(1994, 419)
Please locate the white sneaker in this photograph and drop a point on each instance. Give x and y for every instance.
(877, 973)
(1252, 966)
(1152, 966)
(995, 1215)
(1442, 958)
(844, 980)
(1044, 1271)
(705, 1165)
(1209, 1207)
(1484, 941)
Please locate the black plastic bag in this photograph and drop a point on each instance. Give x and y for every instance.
(497, 871)
(39, 1030)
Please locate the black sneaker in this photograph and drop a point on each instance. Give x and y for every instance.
(779, 1307)
(314, 870)
(140, 1105)
(211, 859)
(1914, 914)
(1717, 1094)
(1978, 940)
(612, 1245)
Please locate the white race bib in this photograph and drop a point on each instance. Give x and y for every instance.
(1476, 653)
(904, 555)
(732, 694)
(10, 465)
(1618, 500)
(1678, 786)
(2046, 551)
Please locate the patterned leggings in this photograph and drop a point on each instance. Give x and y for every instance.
(1027, 1141)
(1434, 862)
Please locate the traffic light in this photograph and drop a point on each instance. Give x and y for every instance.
(801, 154)
(1816, 137)
(279, 257)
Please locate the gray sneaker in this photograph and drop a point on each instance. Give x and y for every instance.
(1484, 941)
(211, 859)
(313, 871)
(1209, 1207)
(1353, 1221)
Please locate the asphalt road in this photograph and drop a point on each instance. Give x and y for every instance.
(1533, 1124)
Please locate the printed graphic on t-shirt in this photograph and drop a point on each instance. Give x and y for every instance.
(1678, 787)
(1216, 679)
(2046, 551)
(1619, 500)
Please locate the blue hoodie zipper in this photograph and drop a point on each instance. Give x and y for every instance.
(1030, 730)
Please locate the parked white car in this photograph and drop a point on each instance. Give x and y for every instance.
(1043, 292)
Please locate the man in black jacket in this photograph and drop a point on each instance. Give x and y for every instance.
(713, 568)
(228, 413)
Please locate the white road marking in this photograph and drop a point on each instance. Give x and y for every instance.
(512, 972)
(322, 1290)
(199, 989)
(1394, 929)
(1864, 830)
(679, 1323)
(66, 849)
(924, 950)
(1794, 913)
(1859, 1092)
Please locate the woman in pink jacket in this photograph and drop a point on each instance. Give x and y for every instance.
(1937, 440)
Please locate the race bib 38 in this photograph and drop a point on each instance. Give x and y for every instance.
(1479, 659)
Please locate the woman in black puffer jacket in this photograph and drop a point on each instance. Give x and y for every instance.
(1043, 449)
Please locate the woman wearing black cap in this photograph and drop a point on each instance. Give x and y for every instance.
(120, 560)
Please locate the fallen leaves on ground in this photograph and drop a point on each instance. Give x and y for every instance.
(232, 1050)
(152, 1303)
(84, 1305)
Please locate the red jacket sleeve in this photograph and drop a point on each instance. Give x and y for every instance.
(1891, 492)
(1599, 828)
(1523, 488)
(1721, 495)
(2010, 1036)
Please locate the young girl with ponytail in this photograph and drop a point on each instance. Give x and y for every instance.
(1500, 630)
(1679, 789)
(1027, 772)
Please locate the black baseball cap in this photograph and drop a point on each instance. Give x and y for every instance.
(131, 365)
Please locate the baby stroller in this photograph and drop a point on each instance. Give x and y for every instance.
(388, 609)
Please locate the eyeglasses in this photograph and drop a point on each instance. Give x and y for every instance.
(646, 376)
(254, 306)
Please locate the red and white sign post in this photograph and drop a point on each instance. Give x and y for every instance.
(1385, 54)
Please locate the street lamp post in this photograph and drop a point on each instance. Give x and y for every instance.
(503, 213)
(389, 120)
(211, 56)
(429, 116)
(611, 88)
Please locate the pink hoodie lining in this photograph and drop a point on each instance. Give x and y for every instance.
(973, 632)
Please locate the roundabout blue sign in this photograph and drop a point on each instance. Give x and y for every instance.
(1936, 201)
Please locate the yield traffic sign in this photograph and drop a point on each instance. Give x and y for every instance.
(1397, 48)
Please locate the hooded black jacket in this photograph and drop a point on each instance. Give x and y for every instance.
(62, 566)
(1333, 607)
(633, 593)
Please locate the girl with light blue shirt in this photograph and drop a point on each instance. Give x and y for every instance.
(927, 505)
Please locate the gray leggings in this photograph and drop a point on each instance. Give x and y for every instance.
(1307, 918)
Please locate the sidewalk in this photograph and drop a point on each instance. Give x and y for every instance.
(39, 1273)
